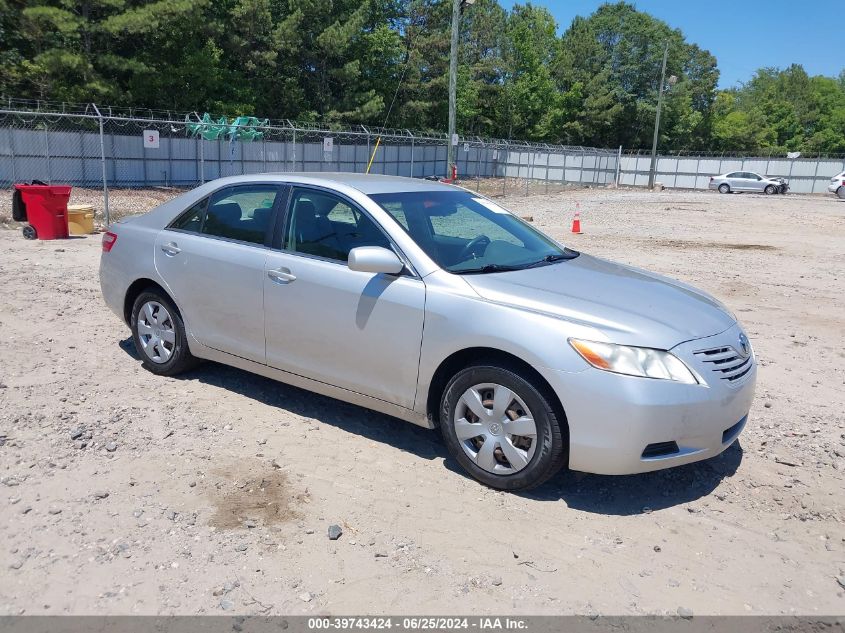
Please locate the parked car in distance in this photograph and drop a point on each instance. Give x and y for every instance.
(837, 185)
(436, 305)
(748, 181)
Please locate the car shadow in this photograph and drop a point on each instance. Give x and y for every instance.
(600, 494)
(625, 495)
(351, 418)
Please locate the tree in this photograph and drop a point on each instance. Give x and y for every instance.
(616, 54)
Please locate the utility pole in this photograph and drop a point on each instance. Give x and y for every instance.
(453, 84)
(657, 120)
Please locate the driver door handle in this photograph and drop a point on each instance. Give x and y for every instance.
(171, 249)
(281, 275)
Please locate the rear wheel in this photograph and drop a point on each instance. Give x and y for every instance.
(501, 428)
(770, 190)
(724, 188)
(841, 193)
(29, 232)
(159, 334)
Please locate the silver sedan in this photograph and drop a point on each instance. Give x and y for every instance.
(742, 181)
(436, 305)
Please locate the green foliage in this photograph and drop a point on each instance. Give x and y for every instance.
(348, 60)
(782, 111)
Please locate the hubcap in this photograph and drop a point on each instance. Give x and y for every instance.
(495, 428)
(156, 332)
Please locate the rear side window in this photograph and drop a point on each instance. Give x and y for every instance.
(241, 213)
(191, 220)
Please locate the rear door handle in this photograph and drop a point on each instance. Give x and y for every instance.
(281, 275)
(171, 249)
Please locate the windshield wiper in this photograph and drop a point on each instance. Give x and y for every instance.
(554, 257)
(488, 268)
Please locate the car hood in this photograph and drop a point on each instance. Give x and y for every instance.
(630, 306)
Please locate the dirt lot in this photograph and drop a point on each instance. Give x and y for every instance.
(124, 493)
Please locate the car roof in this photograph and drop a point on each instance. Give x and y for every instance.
(365, 183)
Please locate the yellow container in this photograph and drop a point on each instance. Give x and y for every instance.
(80, 219)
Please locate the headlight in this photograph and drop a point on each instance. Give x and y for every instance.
(634, 361)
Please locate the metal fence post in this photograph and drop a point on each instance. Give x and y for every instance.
(618, 166)
(103, 165)
(581, 169)
(697, 172)
(47, 154)
(293, 152)
(505, 174)
(563, 172)
(12, 152)
(477, 167)
(412, 154)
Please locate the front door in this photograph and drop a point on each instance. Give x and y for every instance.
(355, 330)
(212, 260)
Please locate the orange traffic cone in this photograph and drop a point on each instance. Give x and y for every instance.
(576, 222)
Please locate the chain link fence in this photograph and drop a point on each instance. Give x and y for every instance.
(108, 150)
(101, 150)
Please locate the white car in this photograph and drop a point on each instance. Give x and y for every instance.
(837, 185)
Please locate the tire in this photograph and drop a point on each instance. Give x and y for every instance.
(542, 455)
(724, 188)
(29, 232)
(841, 193)
(159, 334)
(770, 190)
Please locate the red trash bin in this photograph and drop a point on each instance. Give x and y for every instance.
(46, 211)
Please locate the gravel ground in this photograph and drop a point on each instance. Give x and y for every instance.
(124, 493)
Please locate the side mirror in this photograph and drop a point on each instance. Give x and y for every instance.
(374, 259)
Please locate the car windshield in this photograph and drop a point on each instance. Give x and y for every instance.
(465, 233)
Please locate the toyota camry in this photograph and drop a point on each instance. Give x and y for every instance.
(436, 305)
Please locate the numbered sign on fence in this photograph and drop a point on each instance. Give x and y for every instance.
(150, 139)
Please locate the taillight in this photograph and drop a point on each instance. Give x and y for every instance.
(109, 240)
(712, 178)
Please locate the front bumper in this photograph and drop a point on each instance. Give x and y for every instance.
(622, 425)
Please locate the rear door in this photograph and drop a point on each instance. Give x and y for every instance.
(212, 259)
(735, 180)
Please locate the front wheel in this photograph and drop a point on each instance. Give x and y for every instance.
(724, 188)
(159, 334)
(501, 428)
(770, 190)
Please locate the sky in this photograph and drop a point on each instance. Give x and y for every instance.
(743, 35)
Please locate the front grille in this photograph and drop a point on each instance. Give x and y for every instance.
(728, 364)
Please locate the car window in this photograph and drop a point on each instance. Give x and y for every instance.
(468, 224)
(395, 209)
(325, 225)
(191, 220)
(465, 233)
(736, 174)
(241, 213)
